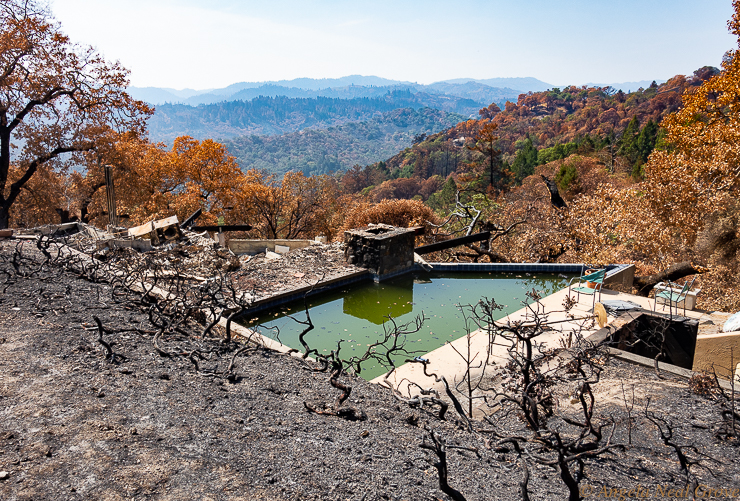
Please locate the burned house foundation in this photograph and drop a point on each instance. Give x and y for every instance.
(651, 336)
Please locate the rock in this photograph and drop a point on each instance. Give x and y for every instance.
(4, 475)
(732, 324)
(269, 255)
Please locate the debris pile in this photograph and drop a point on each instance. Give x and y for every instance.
(268, 276)
(194, 256)
(164, 249)
(161, 245)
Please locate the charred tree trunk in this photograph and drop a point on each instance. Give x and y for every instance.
(555, 199)
(4, 216)
(679, 270)
(495, 257)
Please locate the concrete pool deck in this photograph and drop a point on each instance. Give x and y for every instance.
(445, 361)
(711, 348)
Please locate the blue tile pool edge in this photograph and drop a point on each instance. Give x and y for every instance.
(366, 276)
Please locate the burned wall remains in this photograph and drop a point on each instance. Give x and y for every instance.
(649, 334)
(381, 248)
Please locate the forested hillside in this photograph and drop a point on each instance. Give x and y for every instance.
(281, 115)
(504, 146)
(321, 151)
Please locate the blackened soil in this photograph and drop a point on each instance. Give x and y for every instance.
(74, 425)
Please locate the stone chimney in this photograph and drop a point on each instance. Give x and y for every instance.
(383, 249)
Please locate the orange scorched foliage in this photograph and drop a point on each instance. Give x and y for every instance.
(296, 207)
(402, 213)
(58, 99)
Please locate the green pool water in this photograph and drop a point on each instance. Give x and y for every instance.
(355, 314)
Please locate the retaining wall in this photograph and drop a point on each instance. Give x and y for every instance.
(253, 247)
(719, 352)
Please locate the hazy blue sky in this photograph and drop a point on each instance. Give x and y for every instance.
(212, 43)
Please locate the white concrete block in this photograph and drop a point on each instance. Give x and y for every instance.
(269, 255)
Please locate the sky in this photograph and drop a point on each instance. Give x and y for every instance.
(204, 44)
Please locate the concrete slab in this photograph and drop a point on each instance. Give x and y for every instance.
(446, 361)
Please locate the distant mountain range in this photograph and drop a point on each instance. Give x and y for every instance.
(484, 91)
(481, 94)
(280, 115)
(522, 84)
(250, 108)
(322, 125)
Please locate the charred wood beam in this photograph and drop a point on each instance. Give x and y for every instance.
(453, 242)
(495, 257)
(191, 219)
(645, 284)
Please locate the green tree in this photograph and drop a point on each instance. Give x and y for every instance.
(567, 177)
(647, 139)
(525, 161)
(628, 143)
(557, 152)
(444, 197)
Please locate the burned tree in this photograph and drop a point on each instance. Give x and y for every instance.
(383, 351)
(553, 436)
(525, 390)
(644, 284)
(439, 447)
(466, 218)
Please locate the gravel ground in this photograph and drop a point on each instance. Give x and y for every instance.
(75, 425)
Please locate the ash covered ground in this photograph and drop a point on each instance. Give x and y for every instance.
(75, 424)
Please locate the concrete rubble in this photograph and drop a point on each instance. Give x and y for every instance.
(293, 265)
(266, 275)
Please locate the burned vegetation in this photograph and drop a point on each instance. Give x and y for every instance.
(125, 379)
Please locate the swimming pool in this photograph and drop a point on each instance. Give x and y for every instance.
(355, 314)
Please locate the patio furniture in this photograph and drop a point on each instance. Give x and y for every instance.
(588, 284)
(672, 293)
